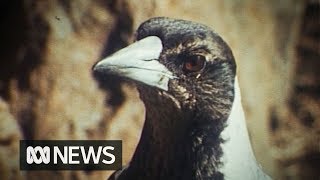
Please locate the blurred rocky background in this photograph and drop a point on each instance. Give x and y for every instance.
(47, 90)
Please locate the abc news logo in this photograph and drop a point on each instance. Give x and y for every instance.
(70, 155)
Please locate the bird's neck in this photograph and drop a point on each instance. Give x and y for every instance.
(174, 146)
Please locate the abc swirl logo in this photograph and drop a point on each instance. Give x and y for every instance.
(32, 157)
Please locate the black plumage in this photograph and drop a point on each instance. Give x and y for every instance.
(181, 134)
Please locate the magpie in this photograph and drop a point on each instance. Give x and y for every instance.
(194, 123)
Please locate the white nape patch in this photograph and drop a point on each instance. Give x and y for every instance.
(139, 61)
(238, 158)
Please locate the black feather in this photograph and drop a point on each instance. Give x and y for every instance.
(181, 135)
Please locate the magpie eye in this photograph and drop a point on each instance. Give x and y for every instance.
(194, 63)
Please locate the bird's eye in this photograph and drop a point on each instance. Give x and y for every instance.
(194, 63)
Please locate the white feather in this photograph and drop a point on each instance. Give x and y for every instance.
(239, 160)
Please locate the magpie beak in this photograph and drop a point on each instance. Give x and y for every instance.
(139, 62)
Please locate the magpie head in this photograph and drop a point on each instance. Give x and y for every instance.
(179, 61)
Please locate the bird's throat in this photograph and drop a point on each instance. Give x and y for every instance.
(174, 145)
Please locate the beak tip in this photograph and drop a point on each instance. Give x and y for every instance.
(93, 68)
(97, 70)
(97, 67)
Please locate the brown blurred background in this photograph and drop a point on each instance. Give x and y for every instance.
(47, 90)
